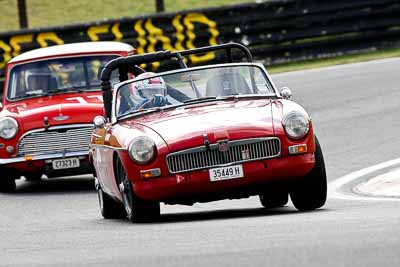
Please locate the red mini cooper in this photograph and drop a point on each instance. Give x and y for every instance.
(201, 134)
(51, 96)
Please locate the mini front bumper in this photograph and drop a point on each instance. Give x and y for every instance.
(43, 157)
(21, 166)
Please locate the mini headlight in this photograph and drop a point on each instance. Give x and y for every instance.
(296, 125)
(142, 150)
(8, 128)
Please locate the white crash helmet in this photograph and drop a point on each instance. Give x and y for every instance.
(149, 87)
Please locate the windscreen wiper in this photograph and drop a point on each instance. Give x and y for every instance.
(138, 112)
(75, 89)
(199, 100)
(33, 93)
(134, 113)
(246, 96)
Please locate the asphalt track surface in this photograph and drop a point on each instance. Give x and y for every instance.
(355, 109)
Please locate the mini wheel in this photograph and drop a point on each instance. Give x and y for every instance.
(7, 185)
(36, 176)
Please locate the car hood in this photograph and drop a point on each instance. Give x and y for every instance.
(58, 109)
(189, 126)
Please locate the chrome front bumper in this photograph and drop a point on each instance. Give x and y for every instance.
(43, 157)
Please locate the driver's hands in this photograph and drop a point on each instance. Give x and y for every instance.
(155, 101)
(158, 100)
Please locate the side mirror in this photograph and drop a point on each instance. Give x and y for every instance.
(1, 106)
(99, 122)
(286, 93)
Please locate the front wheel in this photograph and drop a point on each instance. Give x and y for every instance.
(137, 210)
(109, 208)
(309, 193)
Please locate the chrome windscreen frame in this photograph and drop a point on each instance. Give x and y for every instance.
(259, 65)
(7, 81)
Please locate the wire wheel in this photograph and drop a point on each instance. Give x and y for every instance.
(109, 208)
(137, 210)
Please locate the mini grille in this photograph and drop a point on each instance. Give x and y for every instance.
(55, 141)
(239, 151)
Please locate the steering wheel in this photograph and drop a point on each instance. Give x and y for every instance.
(145, 103)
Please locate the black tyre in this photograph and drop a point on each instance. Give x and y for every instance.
(274, 199)
(7, 184)
(109, 208)
(36, 176)
(137, 210)
(310, 192)
(7, 180)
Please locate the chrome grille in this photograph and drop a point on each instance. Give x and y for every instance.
(55, 141)
(239, 151)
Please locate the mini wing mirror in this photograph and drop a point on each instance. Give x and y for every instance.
(99, 122)
(286, 93)
(1, 106)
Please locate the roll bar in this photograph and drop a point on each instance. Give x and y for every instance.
(130, 64)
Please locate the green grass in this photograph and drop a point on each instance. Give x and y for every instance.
(47, 13)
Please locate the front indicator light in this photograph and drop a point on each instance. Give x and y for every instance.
(298, 149)
(10, 149)
(150, 173)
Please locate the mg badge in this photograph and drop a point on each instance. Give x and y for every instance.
(61, 118)
(223, 146)
(245, 154)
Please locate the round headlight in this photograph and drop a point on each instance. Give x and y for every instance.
(296, 125)
(142, 150)
(8, 128)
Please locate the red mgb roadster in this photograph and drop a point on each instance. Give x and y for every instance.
(201, 134)
(51, 96)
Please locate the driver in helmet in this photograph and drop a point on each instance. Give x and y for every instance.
(149, 93)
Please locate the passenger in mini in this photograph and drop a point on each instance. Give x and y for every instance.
(39, 82)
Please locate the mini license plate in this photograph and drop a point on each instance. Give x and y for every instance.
(225, 173)
(59, 164)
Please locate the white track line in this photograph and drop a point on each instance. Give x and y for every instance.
(384, 185)
(335, 185)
